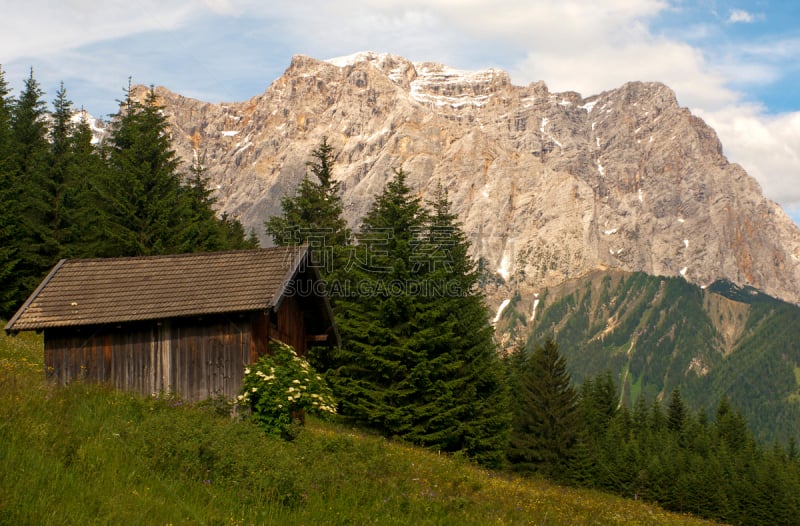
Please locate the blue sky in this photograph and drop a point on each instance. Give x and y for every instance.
(736, 64)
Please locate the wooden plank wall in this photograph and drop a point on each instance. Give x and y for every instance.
(197, 359)
(290, 324)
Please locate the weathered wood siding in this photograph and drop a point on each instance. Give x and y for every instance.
(195, 359)
(290, 326)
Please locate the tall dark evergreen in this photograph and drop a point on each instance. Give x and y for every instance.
(545, 425)
(62, 169)
(233, 234)
(466, 406)
(143, 213)
(200, 230)
(676, 411)
(418, 358)
(85, 173)
(36, 248)
(314, 214)
(372, 375)
(9, 256)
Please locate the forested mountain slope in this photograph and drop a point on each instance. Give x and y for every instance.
(653, 333)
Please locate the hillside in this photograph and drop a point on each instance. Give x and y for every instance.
(653, 333)
(547, 185)
(88, 455)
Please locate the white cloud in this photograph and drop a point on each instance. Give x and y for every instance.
(740, 16)
(224, 7)
(39, 27)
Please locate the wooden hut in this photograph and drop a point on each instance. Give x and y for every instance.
(184, 324)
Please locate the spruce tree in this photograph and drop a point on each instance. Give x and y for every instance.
(144, 214)
(9, 257)
(418, 359)
(314, 214)
(465, 401)
(676, 411)
(545, 425)
(84, 209)
(36, 248)
(372, 376)
(151, 206)
(200, 232)
(62, 132)
(233, 235)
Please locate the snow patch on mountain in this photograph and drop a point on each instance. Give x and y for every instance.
(500, 310)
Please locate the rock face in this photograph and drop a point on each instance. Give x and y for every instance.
(548, 185)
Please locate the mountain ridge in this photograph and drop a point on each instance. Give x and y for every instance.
(548, 186)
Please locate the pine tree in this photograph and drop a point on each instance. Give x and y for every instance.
(150, 205)
(465, 400)
(144, 214)
(597, 407)
(83, 205)
(731, 427)
(233, 234)
(597, 404)
(201, 231)
(418, 359)
(545, 426)
(372, 371)
(314, 214)
(9, 258)
(676, 411)
(36, 248)
(63, 168)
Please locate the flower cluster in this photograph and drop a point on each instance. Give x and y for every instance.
(280, 387)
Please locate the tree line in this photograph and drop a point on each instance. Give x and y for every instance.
(62, 194)
(662, 453)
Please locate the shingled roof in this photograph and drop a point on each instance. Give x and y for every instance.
(113, 290)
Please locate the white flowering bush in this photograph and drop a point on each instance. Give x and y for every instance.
(281, 387)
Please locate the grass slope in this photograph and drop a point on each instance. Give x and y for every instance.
(90, 455)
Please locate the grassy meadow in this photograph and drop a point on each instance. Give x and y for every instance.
(89, 455)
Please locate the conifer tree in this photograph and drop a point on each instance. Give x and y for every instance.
(418, 359)
(676, 411)
(314, 214)
(200, 232)
(233, 235)
(9, 258)
(83, 206)
(372, 376)
(731, 427)
(466, 406)
(144, 214)
(36, 249)
(545, 426)
(151, 207)
(62, 169)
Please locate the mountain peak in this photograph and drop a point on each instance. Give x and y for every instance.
(547, 185)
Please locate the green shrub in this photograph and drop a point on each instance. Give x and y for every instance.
(280, 388)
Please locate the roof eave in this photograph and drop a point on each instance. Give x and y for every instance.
(9, 328)
(302, 253)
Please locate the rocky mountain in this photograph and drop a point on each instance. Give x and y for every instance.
(654, 333)
(549, 186)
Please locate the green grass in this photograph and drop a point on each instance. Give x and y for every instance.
(90, 455)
